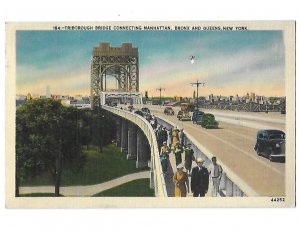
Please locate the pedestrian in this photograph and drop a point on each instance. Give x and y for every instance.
(177, 150)
(175, 137)
(181, 137)
(165, 134)
(181, 182)
(159, 136)
(215, 171)
(164, 157)
(188, 157)
(169, 141)
(199, 179)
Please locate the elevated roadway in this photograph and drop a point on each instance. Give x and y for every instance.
(233, 145)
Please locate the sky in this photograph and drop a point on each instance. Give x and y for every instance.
(228, 62)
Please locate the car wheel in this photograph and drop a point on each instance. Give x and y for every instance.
(270, 157)
(258, 153)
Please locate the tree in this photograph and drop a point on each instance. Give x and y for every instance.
(46, 139)
(103, 128)
(49, 137)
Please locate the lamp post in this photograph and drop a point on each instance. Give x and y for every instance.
(197, 84)
(160, 89)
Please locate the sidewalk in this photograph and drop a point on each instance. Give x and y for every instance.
(88, 190)
(169, 177)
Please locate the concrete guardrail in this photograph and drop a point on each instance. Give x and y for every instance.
(155, 166)
(231, 184)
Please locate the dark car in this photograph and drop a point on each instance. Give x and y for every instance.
(168, 111)
(145, 110)
(139, 112)
(198, 119)
(197, 114)
(209, 121)
(271, 144)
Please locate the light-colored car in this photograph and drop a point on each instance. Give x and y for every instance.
(184, 116)
(169, 111)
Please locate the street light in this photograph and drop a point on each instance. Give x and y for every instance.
(160, 89)
(198, 83)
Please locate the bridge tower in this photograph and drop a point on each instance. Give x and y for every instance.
(121, 63)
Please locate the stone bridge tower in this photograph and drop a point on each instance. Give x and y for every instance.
(119, 62)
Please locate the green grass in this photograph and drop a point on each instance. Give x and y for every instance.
(135, 188)
(99, 167)
(39, 195)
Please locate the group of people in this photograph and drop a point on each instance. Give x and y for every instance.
(172, 140)
(170, 136)
(199, 179)
(152, 120)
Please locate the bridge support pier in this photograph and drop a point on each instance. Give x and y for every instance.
(124, 136)
(119, 131)
(152, 181)
(132, 142)
(143, 150)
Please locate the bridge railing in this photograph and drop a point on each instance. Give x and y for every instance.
(155, 166)
(231, 185)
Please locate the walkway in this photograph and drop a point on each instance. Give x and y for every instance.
(87, 190)
(169, 177)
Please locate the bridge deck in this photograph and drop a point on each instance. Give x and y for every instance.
(233, 145)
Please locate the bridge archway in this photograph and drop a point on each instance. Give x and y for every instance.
(107, 62)
(118, 73)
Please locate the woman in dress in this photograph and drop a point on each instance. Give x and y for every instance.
(164, 157)
(181, 182)
(175, 137)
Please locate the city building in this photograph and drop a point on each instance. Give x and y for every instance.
(80, 104)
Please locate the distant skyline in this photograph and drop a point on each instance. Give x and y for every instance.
(229, 62)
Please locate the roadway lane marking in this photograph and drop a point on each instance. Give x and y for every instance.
(246, 153)
(231, 145)
(230, 131)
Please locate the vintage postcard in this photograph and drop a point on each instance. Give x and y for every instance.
(150, 114)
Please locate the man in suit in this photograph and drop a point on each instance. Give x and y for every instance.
(199, 179)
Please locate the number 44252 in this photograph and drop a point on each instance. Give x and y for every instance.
(277, 199)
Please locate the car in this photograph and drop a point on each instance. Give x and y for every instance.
(168, 111)
(145, 110)
(197, 114)
(270, 144)
(198, 119)
(179, 114)
(139, 112)
(209, 121)
(185, 116)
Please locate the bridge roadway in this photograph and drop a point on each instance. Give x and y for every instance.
(233, 145)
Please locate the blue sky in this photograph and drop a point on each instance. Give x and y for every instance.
(229, 62)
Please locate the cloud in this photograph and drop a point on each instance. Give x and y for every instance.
(228, 63)
(63, 84)
(225, 73)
